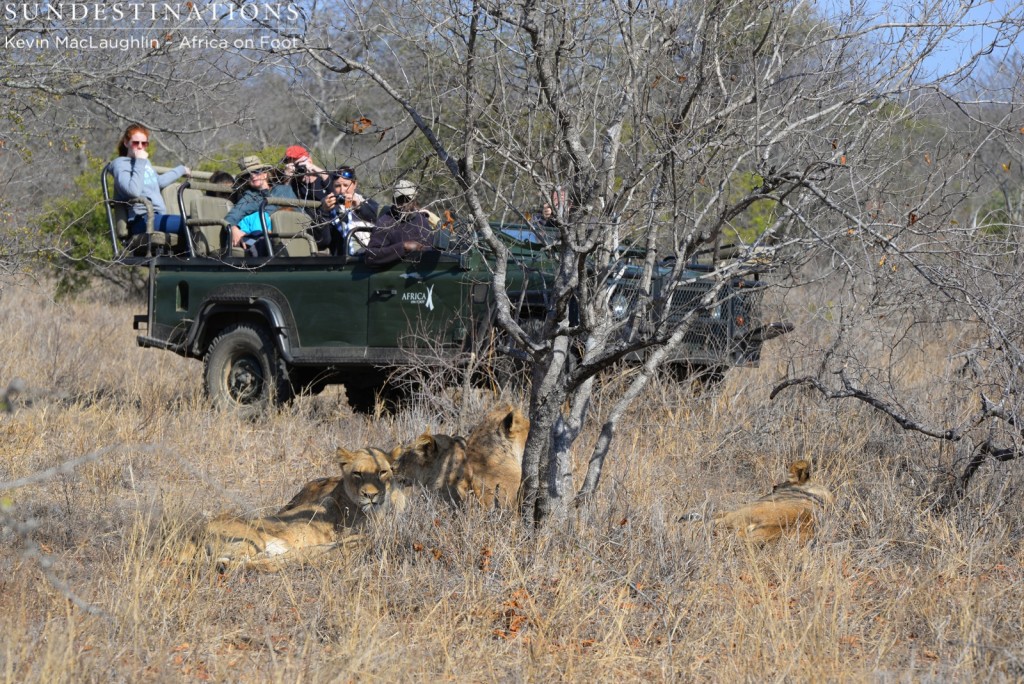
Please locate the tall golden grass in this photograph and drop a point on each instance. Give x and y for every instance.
(624, 592)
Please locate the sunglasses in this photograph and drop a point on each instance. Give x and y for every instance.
(139, 143)
(347, 174)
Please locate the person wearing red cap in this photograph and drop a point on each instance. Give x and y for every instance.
(309, 182)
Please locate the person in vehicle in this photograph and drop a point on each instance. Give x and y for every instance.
(253, 238)
(402, 228)
(343, 207)
(309, 182)
(248, 198)
(225, 179)
(547, 218)
(134, 176)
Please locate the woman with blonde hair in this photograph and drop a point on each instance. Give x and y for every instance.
(135, 177)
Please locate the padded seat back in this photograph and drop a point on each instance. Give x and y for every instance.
(120, 211)
(292, 229)
(206, 217)
(170, 195)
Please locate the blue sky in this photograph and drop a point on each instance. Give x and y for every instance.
(964, 44)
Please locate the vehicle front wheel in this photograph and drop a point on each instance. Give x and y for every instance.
(244, 372)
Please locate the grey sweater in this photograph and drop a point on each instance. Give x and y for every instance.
(136, 178)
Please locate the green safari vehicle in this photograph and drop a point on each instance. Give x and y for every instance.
(267, 328)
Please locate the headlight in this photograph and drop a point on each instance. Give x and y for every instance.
(619, 306)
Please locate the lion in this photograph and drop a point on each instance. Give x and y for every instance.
(788, 510)
(324, 514)
(487, 465)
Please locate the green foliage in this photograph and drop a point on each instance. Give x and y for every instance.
(227, 159)
(77, 225)
(749, 225)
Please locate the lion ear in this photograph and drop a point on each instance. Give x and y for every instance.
(426, 444)
(800, 472)
(508, 423)
(345, 457)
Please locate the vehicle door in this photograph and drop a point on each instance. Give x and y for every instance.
(327, 300)
(417, 304)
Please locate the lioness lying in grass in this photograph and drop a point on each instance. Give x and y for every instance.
(327, 512)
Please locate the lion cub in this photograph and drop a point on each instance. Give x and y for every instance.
(320, 517)
(789, 509)
(487, 465)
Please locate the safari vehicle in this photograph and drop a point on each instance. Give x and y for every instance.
(267, 328)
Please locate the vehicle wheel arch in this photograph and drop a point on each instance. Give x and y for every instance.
(223, 309)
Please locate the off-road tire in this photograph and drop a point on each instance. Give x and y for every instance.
(244, 373)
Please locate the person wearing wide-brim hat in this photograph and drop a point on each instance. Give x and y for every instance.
(254, 175)
(251, 164)
(402, 228)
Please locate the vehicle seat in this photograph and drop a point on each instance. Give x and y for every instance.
(153, 242)
(206, 217)
(292, 230)
(170, 195)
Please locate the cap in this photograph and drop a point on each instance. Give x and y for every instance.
(405, 188)
(296, 152)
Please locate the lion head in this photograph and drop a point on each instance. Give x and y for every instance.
(435, 462)
(486, 465)
(366, 474)
(500, 438)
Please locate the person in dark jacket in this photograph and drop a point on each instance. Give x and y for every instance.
(309, 182)
(344, 207)
(401, 228)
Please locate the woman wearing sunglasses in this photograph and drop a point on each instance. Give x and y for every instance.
(342, 208)
(134, 177)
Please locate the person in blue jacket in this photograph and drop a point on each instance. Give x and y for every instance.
(255, 186)
(135, 177)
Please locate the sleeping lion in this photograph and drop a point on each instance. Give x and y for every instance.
(789, 510)
(324, 515)
(487, 465)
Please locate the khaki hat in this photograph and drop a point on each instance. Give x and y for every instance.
(405, 188)
(251, 164)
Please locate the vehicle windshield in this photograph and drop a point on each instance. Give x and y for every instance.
(523, 234)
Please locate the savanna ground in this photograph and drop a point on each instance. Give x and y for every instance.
(889, 590)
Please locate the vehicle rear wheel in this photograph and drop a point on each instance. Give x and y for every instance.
(244, 372)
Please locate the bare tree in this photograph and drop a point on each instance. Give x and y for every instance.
(660, 129)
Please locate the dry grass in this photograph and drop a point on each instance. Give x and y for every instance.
(887, 592)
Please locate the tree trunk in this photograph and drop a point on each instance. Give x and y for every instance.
(547, 394)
